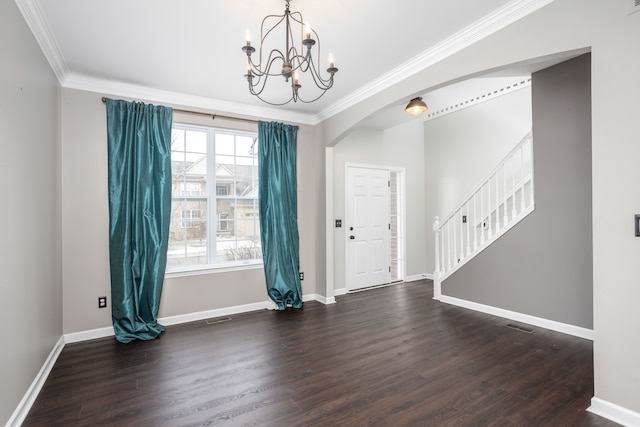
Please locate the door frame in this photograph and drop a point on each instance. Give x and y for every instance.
(402, 221)
(401, 216)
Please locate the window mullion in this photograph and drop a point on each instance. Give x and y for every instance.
(183, 229)
(212, 213)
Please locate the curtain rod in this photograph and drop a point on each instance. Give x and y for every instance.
(213, 116)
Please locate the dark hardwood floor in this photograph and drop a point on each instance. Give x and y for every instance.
(385, 357)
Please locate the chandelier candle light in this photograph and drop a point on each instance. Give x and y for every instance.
(294, 63)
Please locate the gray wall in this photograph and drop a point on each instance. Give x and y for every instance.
(30, 284)
(85, 244)
(543, 266)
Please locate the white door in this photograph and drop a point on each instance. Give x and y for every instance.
(367, 227)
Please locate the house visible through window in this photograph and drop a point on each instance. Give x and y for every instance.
(214, 212)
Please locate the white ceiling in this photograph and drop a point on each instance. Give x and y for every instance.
(190, 51)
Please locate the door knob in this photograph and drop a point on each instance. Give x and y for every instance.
(351, 228)
(352, 237)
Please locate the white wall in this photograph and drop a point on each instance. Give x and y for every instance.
(85, 224)
(461, 148)
(30, 284)
(405, 146)
(606, 29)
(398, 147)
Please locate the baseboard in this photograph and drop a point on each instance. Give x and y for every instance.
(615, 413)
(193, 317)
(87, 335)
(23, 408)
(576, 331)
(341, 291)
(415, 277)
(217, 312)
(324, 300)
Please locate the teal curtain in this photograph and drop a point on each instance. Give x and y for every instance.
(139, 169)
(278, 202)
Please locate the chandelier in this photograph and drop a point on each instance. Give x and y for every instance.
(295, 63)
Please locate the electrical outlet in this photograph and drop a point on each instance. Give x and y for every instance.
(102, 302)
(301, 275)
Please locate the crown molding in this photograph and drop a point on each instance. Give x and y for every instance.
(114, 88)
(477, 31)
(32, 14)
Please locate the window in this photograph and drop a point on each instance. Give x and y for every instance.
(214, 206)
(190, 218)
(223, 222)
(222, 190)
(190, 189)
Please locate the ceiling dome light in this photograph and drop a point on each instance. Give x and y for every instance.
(416, 106)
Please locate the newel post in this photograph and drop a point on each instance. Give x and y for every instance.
(436, 273)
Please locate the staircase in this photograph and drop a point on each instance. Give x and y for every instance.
(502, 199)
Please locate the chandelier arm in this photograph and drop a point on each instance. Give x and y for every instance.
(277, 104)
(306, 63)
(257, 95)
(258, 86)
(328, 82)
(297, 60)
(311, 100)
(317, 78)
(264, 35)
(258, 70)
(297, 17)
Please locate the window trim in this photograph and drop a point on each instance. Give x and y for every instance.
(213, 269)
(211, 217)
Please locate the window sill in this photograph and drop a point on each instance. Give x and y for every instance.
(204, 270)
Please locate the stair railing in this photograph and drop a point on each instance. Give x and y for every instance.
(501, 200)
